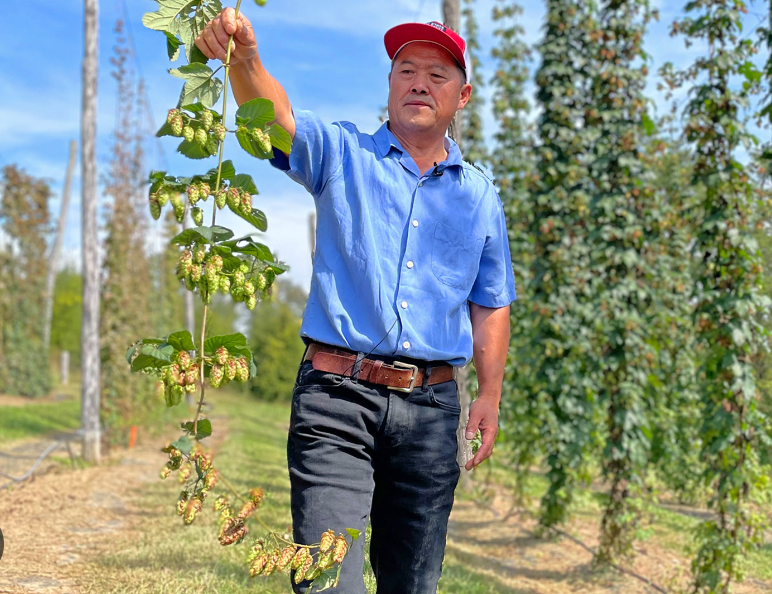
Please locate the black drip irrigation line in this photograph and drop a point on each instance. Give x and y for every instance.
(47, 452)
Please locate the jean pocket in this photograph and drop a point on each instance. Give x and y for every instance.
(455, 256)
(445, 396)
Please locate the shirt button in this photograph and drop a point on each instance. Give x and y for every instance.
(406, 345)
(415, 223)
(410, 264)
(403, 305)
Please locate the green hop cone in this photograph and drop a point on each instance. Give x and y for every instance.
(251, 302)
(238, 278)
(262, 139)
(242, 370)
(201, 137)
(230, 369)
(163, 196)
(325, 561)
(217, 262)
(216, 375)
(300, 558)
(246, 202)
(183, 360)
(271, 564)
(249, 287)
(244, 267)
(221, 355)
(190, 284)
(261, 282)
(225, 285)
(218, 130)
(302, 571)
(176, 200)
(237, 293)
(220, 503)
(340, 548)
(179, 213)
(195, 274)
(257, 566)
(185, 262)
(221, 198)
(327, 540)
(170, 117)
(285, 557)
(210, 273)
(204, 190)
(210, 480)
(207, 119)
(234, 199)
(155, 209)
(198, 215)
(193, 194)
(177, 125)
(212, 145)
(188, 133)
(191, 510)
(199, 253)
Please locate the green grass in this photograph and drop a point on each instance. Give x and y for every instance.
(38, 419)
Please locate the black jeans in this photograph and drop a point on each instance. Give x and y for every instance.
(356, 450)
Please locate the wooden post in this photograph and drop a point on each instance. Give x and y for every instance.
(54, 256)
(89, 337)
(64, 367)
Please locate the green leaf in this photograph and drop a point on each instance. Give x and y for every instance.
(280, 138)
(193, 150)
(172, 396)
(229, 341)
(181, 341)
(214, 234)
(252, 248)
(172, 46)
(183, 444)
(256, 218)
(152, 356)
(228, 171)
(327, 579)
(166, 17)
(648, 125)
(243, 181)
(354, 533)
(204, 428)
(249, 145)
(255, 113)
(200, 84)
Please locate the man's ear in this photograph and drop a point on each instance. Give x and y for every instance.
(466, 93)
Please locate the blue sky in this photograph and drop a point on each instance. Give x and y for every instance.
(328, 55)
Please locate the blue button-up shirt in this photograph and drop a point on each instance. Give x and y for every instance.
(398, 255)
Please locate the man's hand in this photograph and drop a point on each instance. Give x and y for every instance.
(213, 41)
(483, 415)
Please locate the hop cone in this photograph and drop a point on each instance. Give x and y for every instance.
(217, 262)
(195, 274)
(204, 190)
(199, 253)
(256, 495)
(325, 561)
(216, 376)
(212, 146)
(246, 202)
(234, 199)
(170, 117)
(221, 198)
(225, 284)
(262, 139)
(234, 531)
(198, 215)
(244, 267)
(165, 472)
(201, 137)
(183, 359)
(238, 278)
(285, 557)
(219, 132)
(230, 369)
(177, 125)
(190, 377)
(300, 558)
(191, 510)
(193, 195)
(246, 510)
(155, 209)
(261, 282)
(251, 302)
(302, 571)
(256, 568)
(207, 119)
(210, 480)
(188, 133)
(339, 551)
(210, 272)
(242, 370)
(221, 355)
(313, 574)
(220, 503)
(249, 287)
(271, 564)
(328, 538)
(163, 196)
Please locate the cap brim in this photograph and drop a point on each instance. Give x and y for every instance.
(397, 37)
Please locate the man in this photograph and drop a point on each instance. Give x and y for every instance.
(412, 276)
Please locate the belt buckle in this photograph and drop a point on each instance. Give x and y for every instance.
(412, 379)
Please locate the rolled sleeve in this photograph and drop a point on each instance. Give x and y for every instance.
(495, 283)
(316, 155)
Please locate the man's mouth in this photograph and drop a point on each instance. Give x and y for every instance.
(419, 103)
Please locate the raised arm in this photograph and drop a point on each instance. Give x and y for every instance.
(249, 78)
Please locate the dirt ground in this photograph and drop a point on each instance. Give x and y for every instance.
(56, 523)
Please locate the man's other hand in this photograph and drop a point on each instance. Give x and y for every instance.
(483, 416)
(213, 41)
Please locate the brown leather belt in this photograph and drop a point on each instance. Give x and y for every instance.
(398, 376)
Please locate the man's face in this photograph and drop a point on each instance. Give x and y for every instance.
(425, 89)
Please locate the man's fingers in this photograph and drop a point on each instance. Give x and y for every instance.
(204, 47)
(244, 32)
(229, 20)
(472, 425)
(219, 32)
(486, 449)
(214, 44)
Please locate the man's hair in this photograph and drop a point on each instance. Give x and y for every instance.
(461, 71)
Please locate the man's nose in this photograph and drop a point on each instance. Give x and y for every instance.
(420, 90)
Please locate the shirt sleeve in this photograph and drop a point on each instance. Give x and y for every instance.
(316, 154)
(495, 283)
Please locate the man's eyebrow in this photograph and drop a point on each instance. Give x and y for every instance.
(437, 66)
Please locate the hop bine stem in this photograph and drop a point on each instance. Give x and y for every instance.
(214, 219)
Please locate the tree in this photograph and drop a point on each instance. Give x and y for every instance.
(66, 319)
(23, 264)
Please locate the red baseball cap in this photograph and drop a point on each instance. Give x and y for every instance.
(398, 37)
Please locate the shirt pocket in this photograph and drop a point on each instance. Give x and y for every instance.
(455, 256)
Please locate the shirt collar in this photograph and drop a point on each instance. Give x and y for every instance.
(385, 140)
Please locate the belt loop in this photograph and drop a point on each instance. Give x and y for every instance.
(357, 367)
(427, 373)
